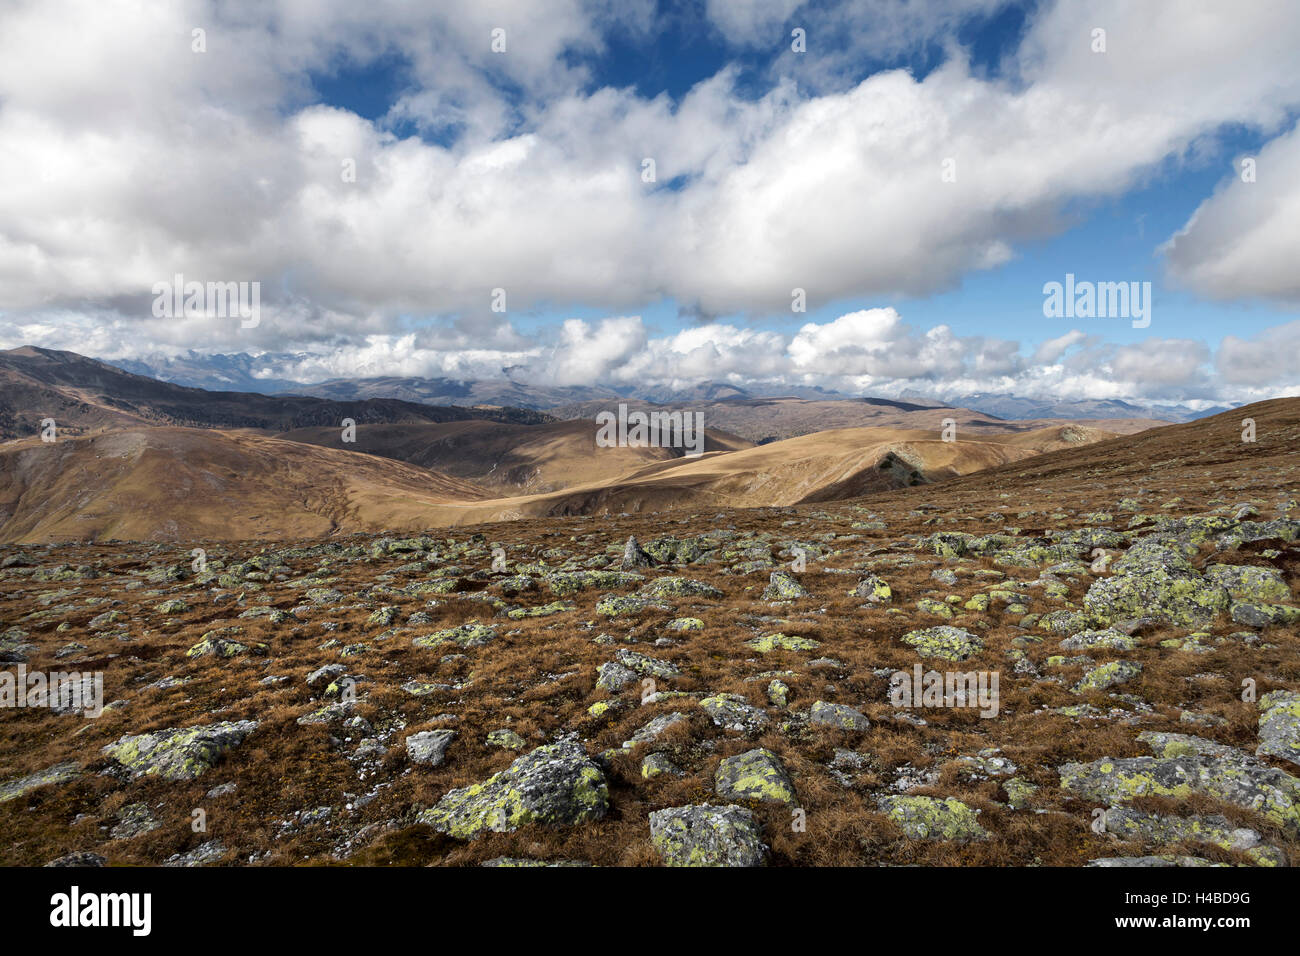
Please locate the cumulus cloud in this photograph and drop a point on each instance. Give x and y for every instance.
(127, 158)
(1268, 359)
(1243, 242)
(142, 158)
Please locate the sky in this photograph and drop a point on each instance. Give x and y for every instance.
(867, 196)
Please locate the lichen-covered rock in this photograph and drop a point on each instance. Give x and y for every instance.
(1264, 615)
(841, 716)
(767, 643)
(647, 666)
(59, 773)
(987, 763)
(613, 676)
(1249, 583)
(935, 608)
(616, 605)
(514, 584)
(944, 642)
(565, 583)
(79, 858)
(685, 624)
(734, 712)
(1019, 792)
(705, 835)
(782, 586)
(385, 616)
(1229, 777)
(506, 739)
(553, 785)
(518, 862)
(134, 820)
(678, 587)
(1147, 861)
(172, 606)
(101, 621)
(654, 729)
(1155, 579)
(778, 693)
(931, 818)
(754, 775)
(873, 589)
(670, 550)
(1131, 824)
(1164, 744)
(540, 610)
(1109, 638)
(13, 648)
(657, 764)
(201, 855)
(1279, 726)
(214, 645)
(634, 556)
(1110, 674)
(472, 634)
(429, 747)
(178, 753)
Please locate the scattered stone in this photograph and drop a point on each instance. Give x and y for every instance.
(176, 753)
(553, 785)
(705, 835)
(930, 818)
(472, 634)
(1279, 726)
(59, 773)
(429, 747)
(944, 642)
(733, 712)
(838, 715)
(782, 586)
(767, 643)
(79, 858)
(754, 775)
(506, 739)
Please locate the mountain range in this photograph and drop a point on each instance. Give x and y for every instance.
(247, 373)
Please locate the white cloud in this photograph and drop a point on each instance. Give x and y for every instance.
(1267, 360)
(162, 160)
(1244, 241)
(126, 158)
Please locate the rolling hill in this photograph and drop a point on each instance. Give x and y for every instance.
(510, 459)
(190, 484)
(187, 484)
(763, 420)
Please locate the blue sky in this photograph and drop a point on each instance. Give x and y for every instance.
(163, 152)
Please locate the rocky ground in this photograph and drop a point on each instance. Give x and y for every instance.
(716, 692)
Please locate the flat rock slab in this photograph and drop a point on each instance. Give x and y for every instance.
(178, 753)
(59, 773)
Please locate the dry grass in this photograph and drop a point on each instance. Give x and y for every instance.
(538, 679)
